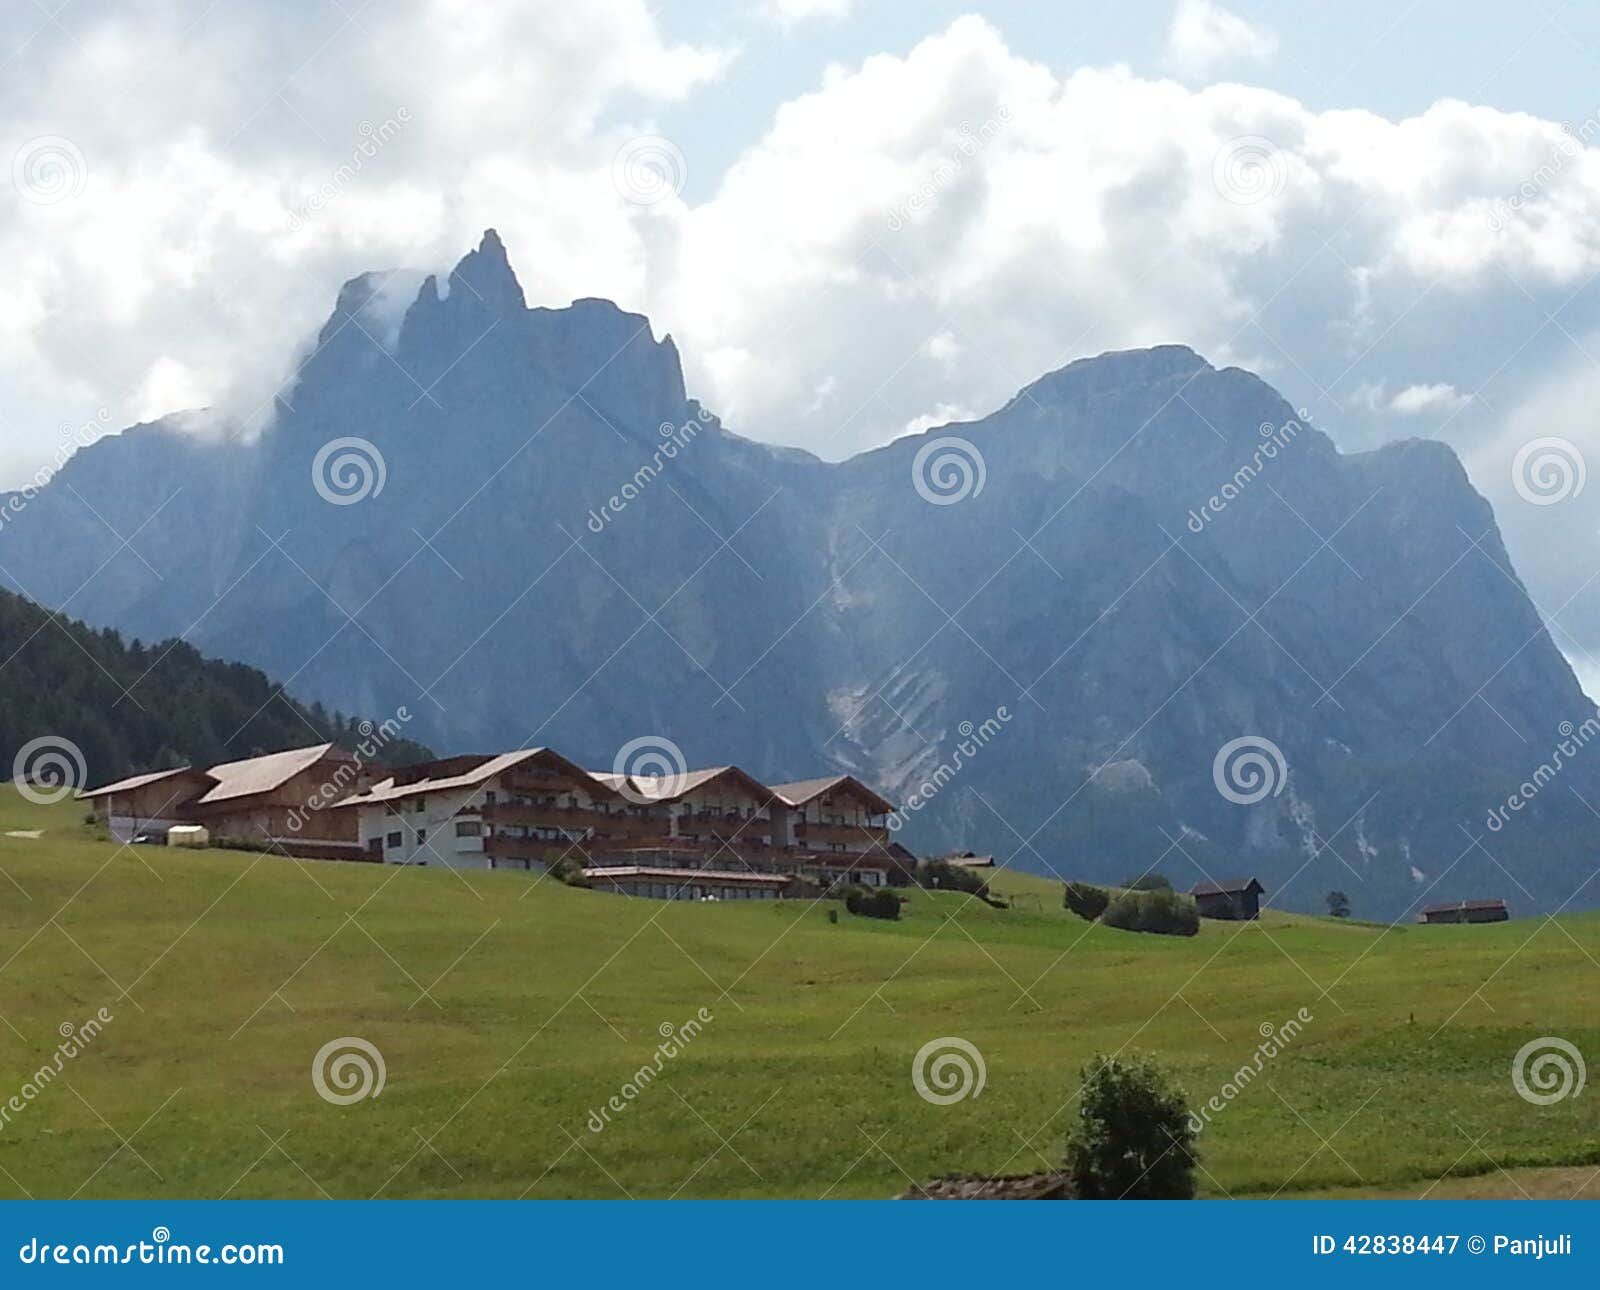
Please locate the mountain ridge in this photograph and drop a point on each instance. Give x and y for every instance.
(762, 605)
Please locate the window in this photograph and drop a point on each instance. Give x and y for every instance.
(393, 840)
(468, 829)
(374, 844)
(488, 798)
(422, 836)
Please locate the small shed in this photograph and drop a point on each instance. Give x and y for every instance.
(1466, 911)
(971, 860)
(188, 835)
(1238, 899)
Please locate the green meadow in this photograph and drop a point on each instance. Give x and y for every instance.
(507, 1011)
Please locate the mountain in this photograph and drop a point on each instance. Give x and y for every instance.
(1141, 559)
(78, 695)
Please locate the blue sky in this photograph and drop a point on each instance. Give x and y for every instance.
(858, 220)
(1392, 58)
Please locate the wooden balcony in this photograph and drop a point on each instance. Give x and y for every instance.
(502, 846)
(575, 819)
(714, 824)
(857, 837)
(525, 781)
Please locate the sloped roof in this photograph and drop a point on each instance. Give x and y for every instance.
(669, 788)
(139, 781)
(255, 775)
(801, 791)
(1228, 887)
(388, 791)
(1453, 906)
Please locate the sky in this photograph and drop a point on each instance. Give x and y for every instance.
(857, 219)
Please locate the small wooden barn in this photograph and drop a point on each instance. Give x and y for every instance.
(1238, 899)
(1466, 911)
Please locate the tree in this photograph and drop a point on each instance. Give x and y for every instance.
(1338, 904)
(1163, 911)
(1133, 1139)
(1085, 900)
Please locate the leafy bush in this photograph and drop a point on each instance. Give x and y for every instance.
(873, 902)
(1086, 900)
(569, 870)
(1148, 882)
(1133, 1139)
(1164, 912)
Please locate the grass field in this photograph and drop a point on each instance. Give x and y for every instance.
(506, 1010)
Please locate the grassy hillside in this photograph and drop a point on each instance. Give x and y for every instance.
(506, 1010)
(131, 707)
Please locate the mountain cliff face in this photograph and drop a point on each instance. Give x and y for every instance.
(1041, 633)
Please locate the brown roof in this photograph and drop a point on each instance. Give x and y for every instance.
(139, 781)
(252, 775)
(669, 788)
(1455, 905)
(801, 791)
(1229, 887)
(388, 790)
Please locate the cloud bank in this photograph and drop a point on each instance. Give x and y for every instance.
(907, 243)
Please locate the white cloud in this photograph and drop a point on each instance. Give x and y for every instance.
(1440, 396)
(941, 414)
(1338, 253)
(188, 247)
(1203, 37)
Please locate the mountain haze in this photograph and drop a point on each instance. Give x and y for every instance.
(759, 605)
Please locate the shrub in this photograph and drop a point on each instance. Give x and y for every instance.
(873, 902)
(1133, 1139)
(1085, 900)
(1164, 912)
(569, 870)
(1148, 882)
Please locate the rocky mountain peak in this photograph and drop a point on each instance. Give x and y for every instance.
(1154, 569)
